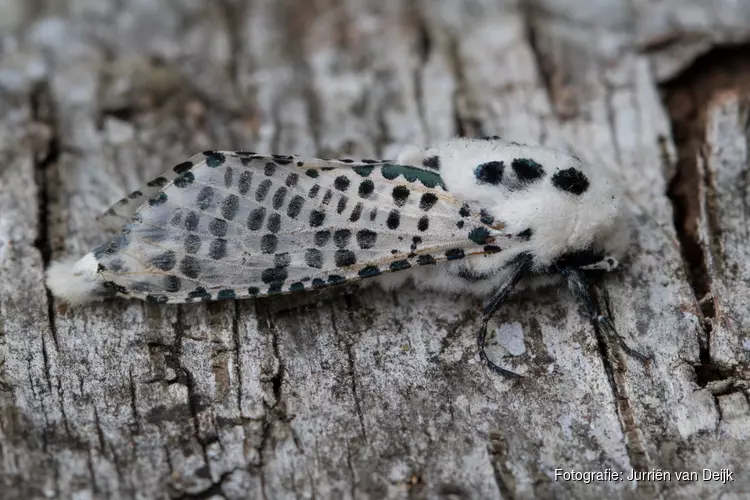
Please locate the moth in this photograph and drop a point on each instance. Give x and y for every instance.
(476, 216)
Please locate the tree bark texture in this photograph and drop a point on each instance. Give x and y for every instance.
(367, 394)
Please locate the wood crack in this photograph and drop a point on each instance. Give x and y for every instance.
(351, 372)
(692, 190)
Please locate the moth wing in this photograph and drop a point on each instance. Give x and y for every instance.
(120, 212)
(240, 224)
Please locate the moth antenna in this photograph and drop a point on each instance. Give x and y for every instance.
(499, 296)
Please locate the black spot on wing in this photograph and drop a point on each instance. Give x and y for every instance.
(341, 183)
(341, 205)
(183, 167)
(366, 187)
(262, 191)
(218, 227)
(393, 220)
(344, 258)
(245, 182)
(427, 201)
(165, 261)
(172, 284)
(356, 213)
(192, 220)
(278, 197)
(274, 223)
(316, 218)
(314, 258)
(295, 206)
(571, 180)
(190, 267)
(282, 259)
(230, 206)
(342, 237)
(400, 194)
(192, 243)
(255, 218)
(327, 197)
(268, 243)
(291, 179)
(274, 274)
(366, 238)
(217, 249)
(205, 195)
(321, 238)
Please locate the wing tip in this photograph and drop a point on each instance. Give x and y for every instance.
(75, 281)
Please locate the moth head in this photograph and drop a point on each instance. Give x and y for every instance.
(601, 233)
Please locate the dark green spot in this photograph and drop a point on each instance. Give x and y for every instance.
(215, 160)
(425, 260)
(184, 180)
(454, 253)
(200, 293)
(412, 174)
(158, 199)
(479, 235)
(400, 265)
(225, 294)
(369, 271)
(363, 171)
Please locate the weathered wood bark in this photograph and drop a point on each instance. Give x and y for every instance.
(374, 395)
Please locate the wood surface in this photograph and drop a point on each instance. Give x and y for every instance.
(366, 394)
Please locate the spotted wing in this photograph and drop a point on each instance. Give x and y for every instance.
(234, 224)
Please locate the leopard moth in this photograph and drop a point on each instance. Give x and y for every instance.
(476, 216)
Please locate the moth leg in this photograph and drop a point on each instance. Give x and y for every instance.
(499, 296)
(579, 287)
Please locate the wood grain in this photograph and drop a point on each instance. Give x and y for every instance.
(367, 394)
